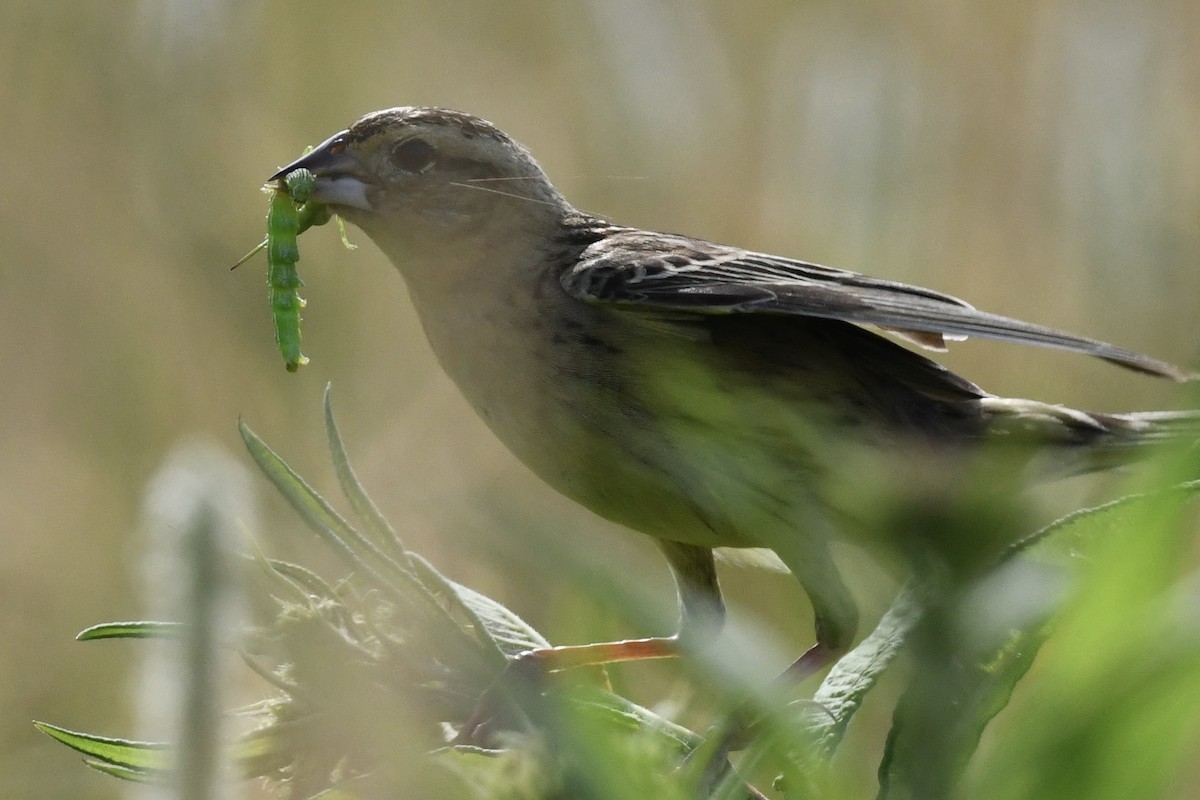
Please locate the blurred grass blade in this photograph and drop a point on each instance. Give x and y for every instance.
(265, 750)
(971, 653)
(942, 714)
(143, 629)
(148, 758)
(125, 773)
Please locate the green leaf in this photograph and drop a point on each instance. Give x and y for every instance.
(303, 581)
(147, 758)
(499, 627)
(943, 712)
(413, 592)
(258, 753)
(144, 629)
(125, 773)
(1116, 706)
(265, 750)
(320, 517)
(842, 692)
(373, 520)
(1074, 533)
(975, 647)
(512, 634)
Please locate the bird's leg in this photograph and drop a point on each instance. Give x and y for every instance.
(701, 609)
(529, 669)
(835, 626)
(701, 616)
(835, 616)
(835, 620)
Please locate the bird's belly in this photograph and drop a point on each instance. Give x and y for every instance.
(594, 440)
(637, 429)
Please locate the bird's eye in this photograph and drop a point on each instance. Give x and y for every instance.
(412, 155)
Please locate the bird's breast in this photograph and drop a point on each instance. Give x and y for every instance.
(555, 380)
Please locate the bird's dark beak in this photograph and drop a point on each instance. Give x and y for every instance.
(341, 180)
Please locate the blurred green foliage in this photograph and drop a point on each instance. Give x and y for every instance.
(371, 679)
(1037, 157)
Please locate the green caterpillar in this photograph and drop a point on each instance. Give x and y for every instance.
(289, 215)
(283, 228)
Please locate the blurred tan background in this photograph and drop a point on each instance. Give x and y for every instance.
(1041, 159)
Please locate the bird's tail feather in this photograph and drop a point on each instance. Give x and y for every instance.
(1091, 440)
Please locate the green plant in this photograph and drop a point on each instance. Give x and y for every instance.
(372, 673)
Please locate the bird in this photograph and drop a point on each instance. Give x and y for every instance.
(699, 393)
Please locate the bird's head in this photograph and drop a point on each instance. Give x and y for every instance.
(419, 179)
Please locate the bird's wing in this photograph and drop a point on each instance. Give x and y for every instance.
(677, 273)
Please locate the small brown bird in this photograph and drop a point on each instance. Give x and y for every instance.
(699, 393)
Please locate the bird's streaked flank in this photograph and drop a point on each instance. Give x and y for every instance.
(696, 392)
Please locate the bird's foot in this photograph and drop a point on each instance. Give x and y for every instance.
(523, 681)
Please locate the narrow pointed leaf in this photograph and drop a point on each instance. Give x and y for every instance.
(149, 757)
(125, 773)
(320, 517)
(373, 520)
(362, 553)
(144, 629)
